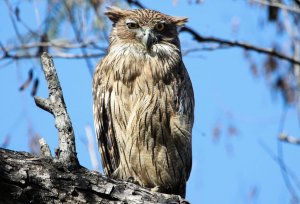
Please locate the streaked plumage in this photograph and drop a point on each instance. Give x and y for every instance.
(144, 103)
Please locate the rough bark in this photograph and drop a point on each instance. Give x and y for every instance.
(55, 105)
(25, 178)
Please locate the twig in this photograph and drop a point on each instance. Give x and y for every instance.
(55, 55)
(13, 21)
(243, 45)
(6, 64)
(55, 105)
(4, 50)
(281, 162)
(208, 48)
(277, 5)
(289, 139)
(277, 160)
(78, 36)
(61, 45)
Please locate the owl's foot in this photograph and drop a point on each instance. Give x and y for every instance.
(131, 179)
(155, 189)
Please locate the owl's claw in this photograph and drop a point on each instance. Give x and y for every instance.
(155, 189)
(130, 179)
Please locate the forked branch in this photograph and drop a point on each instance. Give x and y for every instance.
(54, 104)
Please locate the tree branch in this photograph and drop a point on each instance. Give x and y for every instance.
(243, 45)
(277, 5)
(54, 55)
(78, 36)
(26, 178)
(54, 44)
(6, 51)
(55, 105)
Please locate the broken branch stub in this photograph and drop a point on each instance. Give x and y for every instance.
(55, 105)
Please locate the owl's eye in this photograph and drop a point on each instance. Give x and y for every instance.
(159, 26)
(132, 25)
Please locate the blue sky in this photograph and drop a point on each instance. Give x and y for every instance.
(227, 95)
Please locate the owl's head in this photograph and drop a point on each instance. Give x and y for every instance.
(145, 28)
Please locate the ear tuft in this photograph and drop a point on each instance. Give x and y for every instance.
(114, 13)
(180, 20)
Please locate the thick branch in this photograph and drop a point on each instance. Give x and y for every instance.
(25, 178)
(55, 104)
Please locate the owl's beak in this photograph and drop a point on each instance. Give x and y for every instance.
(148, 39)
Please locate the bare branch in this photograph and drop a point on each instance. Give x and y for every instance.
(277, 159)
(277, 5)
(281, 162)
(79, 39)
(10, 9)
(54, 44)
(54, 55)
(56, 106)
(243, 45)
(206, 48)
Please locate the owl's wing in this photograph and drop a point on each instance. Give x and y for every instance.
(185, 109)
(105, 133)
(186, 96)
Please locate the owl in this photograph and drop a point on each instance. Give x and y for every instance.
(143, 102)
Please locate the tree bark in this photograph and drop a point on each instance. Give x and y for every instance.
(25, 178)
(55, 104)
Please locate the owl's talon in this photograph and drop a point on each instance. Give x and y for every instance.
(155, 189)
(131, 179)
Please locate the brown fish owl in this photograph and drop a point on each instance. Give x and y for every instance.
(144, 102)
